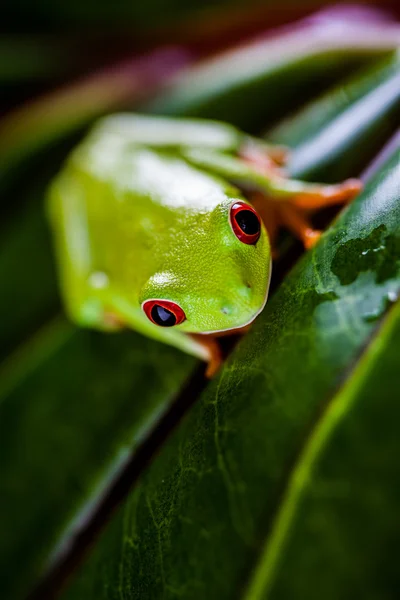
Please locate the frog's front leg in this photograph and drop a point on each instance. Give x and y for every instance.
(311, 196)
(292, 218)
(209, 342)
(297, 197)
(212, 351)
(304, 195)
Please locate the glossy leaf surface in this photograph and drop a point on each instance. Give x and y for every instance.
(335, 133)
(343, 495)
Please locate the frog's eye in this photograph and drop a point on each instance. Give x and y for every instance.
(164, 312)
(245, 223)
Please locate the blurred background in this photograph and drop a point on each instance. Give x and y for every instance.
(47, 43)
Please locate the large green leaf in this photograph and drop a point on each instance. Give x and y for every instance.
(210, 513)
(338, 525)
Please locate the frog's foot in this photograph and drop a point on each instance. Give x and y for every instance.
(299, 225)
(305, 195)
(279, 154)
(267, 161)
(215, 362)
(213, 351)
(314, 196)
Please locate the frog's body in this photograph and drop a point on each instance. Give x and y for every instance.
(142, 212)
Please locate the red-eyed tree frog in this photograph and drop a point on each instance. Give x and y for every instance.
(166, 225)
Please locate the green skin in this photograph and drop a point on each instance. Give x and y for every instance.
(141, 211)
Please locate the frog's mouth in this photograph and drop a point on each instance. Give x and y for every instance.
(238, 328)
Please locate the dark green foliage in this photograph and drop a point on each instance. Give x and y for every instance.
(347, 125)
(73, 407)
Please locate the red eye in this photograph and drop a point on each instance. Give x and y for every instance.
(245, 223)
(164, 312)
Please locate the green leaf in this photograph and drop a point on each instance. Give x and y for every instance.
(204, 518)
(74, 407)
(27, 271)
(335, 133)
(343, 495)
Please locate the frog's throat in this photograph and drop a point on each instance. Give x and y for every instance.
(240, 326)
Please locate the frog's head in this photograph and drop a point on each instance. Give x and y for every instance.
(220, 277)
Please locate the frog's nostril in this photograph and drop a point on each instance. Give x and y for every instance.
(248, 285)
(225, 310)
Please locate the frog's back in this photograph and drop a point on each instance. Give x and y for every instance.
(136, 203)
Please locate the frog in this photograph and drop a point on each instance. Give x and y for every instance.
(167, 226)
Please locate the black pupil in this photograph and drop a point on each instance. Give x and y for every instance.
(248, 222)
(162, 316)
